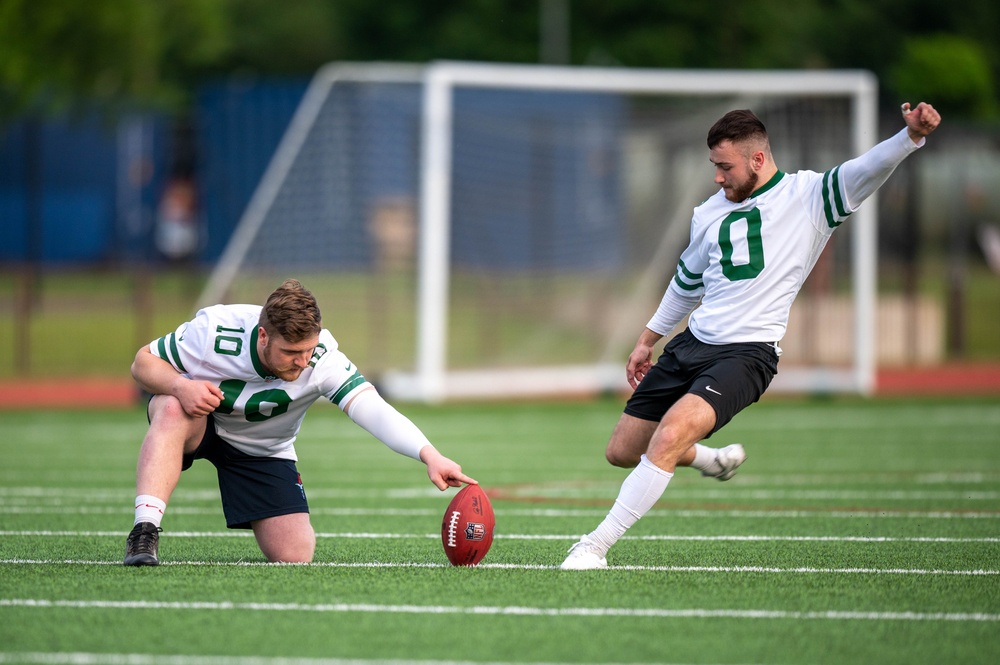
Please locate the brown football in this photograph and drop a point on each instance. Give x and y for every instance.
(467, 527)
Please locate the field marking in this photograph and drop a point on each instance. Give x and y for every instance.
(82, 658)
(508, 610)
(519, 566)
(536, 512)
(67, 496)
(526, 536)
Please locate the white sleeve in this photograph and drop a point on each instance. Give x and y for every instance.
(386, 424)
(672, 310)
(863, 175)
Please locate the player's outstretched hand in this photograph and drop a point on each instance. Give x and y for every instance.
(920, 121)
(443, 472)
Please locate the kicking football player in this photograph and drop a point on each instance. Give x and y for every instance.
(232, 386)
(752, 246)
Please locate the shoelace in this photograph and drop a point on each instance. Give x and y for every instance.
(145, 541)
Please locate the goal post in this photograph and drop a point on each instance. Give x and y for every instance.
(481, 231)
(434, 381)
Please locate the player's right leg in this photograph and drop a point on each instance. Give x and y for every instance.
(171, 434)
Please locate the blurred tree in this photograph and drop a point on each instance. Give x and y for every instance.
(58, 52)
(61, 54)
(952, 71)
(292, 37)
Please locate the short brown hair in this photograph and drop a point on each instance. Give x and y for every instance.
(291, 312)
(737, 126)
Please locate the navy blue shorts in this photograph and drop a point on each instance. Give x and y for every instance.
(252, 488)
(730, 377)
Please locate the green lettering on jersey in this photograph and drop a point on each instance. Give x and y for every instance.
(755, 246)
(231, 389)
(228, 345)
(276, 397)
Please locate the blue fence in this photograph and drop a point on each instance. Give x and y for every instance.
(85, 191)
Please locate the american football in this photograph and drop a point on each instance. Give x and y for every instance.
(467, 527)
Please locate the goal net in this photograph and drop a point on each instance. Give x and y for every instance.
(478, 231)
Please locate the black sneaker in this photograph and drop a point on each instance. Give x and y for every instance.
(141, 546)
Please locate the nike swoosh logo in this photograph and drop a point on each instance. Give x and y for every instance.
(709, 389)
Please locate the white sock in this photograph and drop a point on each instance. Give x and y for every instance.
(148, 509)
(704, 459)
(640, 491)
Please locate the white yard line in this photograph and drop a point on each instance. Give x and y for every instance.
(522, 536)
(508, 610)
(517, 566)
(82, 658)
(126, 509)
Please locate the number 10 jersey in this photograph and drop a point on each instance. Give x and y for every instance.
(260, 414)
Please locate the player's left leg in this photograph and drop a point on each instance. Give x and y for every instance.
(286, 538)
(629, 440)
(686, 422)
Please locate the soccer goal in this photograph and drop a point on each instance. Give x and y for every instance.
(478, 231)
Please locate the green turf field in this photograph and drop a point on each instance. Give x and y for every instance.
(857, 532)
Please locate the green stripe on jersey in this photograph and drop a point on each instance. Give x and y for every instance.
(174, 353)
(686, 287)
(161, 348)
(841, 210)
(827, 208)
(831, 180)
(352, 383)
(694, 279)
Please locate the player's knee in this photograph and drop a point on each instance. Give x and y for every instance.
(617, 456)
(666, 446)
(292, 553)
(166, 407)
(299, 547)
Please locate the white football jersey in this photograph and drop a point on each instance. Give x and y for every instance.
(748, 260)
(260, 414)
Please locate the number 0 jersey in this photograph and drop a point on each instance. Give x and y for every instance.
(748, 260)
(260, 414)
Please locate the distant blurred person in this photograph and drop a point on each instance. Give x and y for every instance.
(232, 386)
(177, 232)
(752, 246)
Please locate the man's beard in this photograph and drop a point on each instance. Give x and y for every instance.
(744, 191)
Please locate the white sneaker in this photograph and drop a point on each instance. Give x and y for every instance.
(729, 458)
(584, 555)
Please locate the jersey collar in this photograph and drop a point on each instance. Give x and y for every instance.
(258, 366)
(768, 185)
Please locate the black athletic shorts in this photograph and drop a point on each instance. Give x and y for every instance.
(252, 487)
(730, 377)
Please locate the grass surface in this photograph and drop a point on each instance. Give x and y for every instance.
(857, 532)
